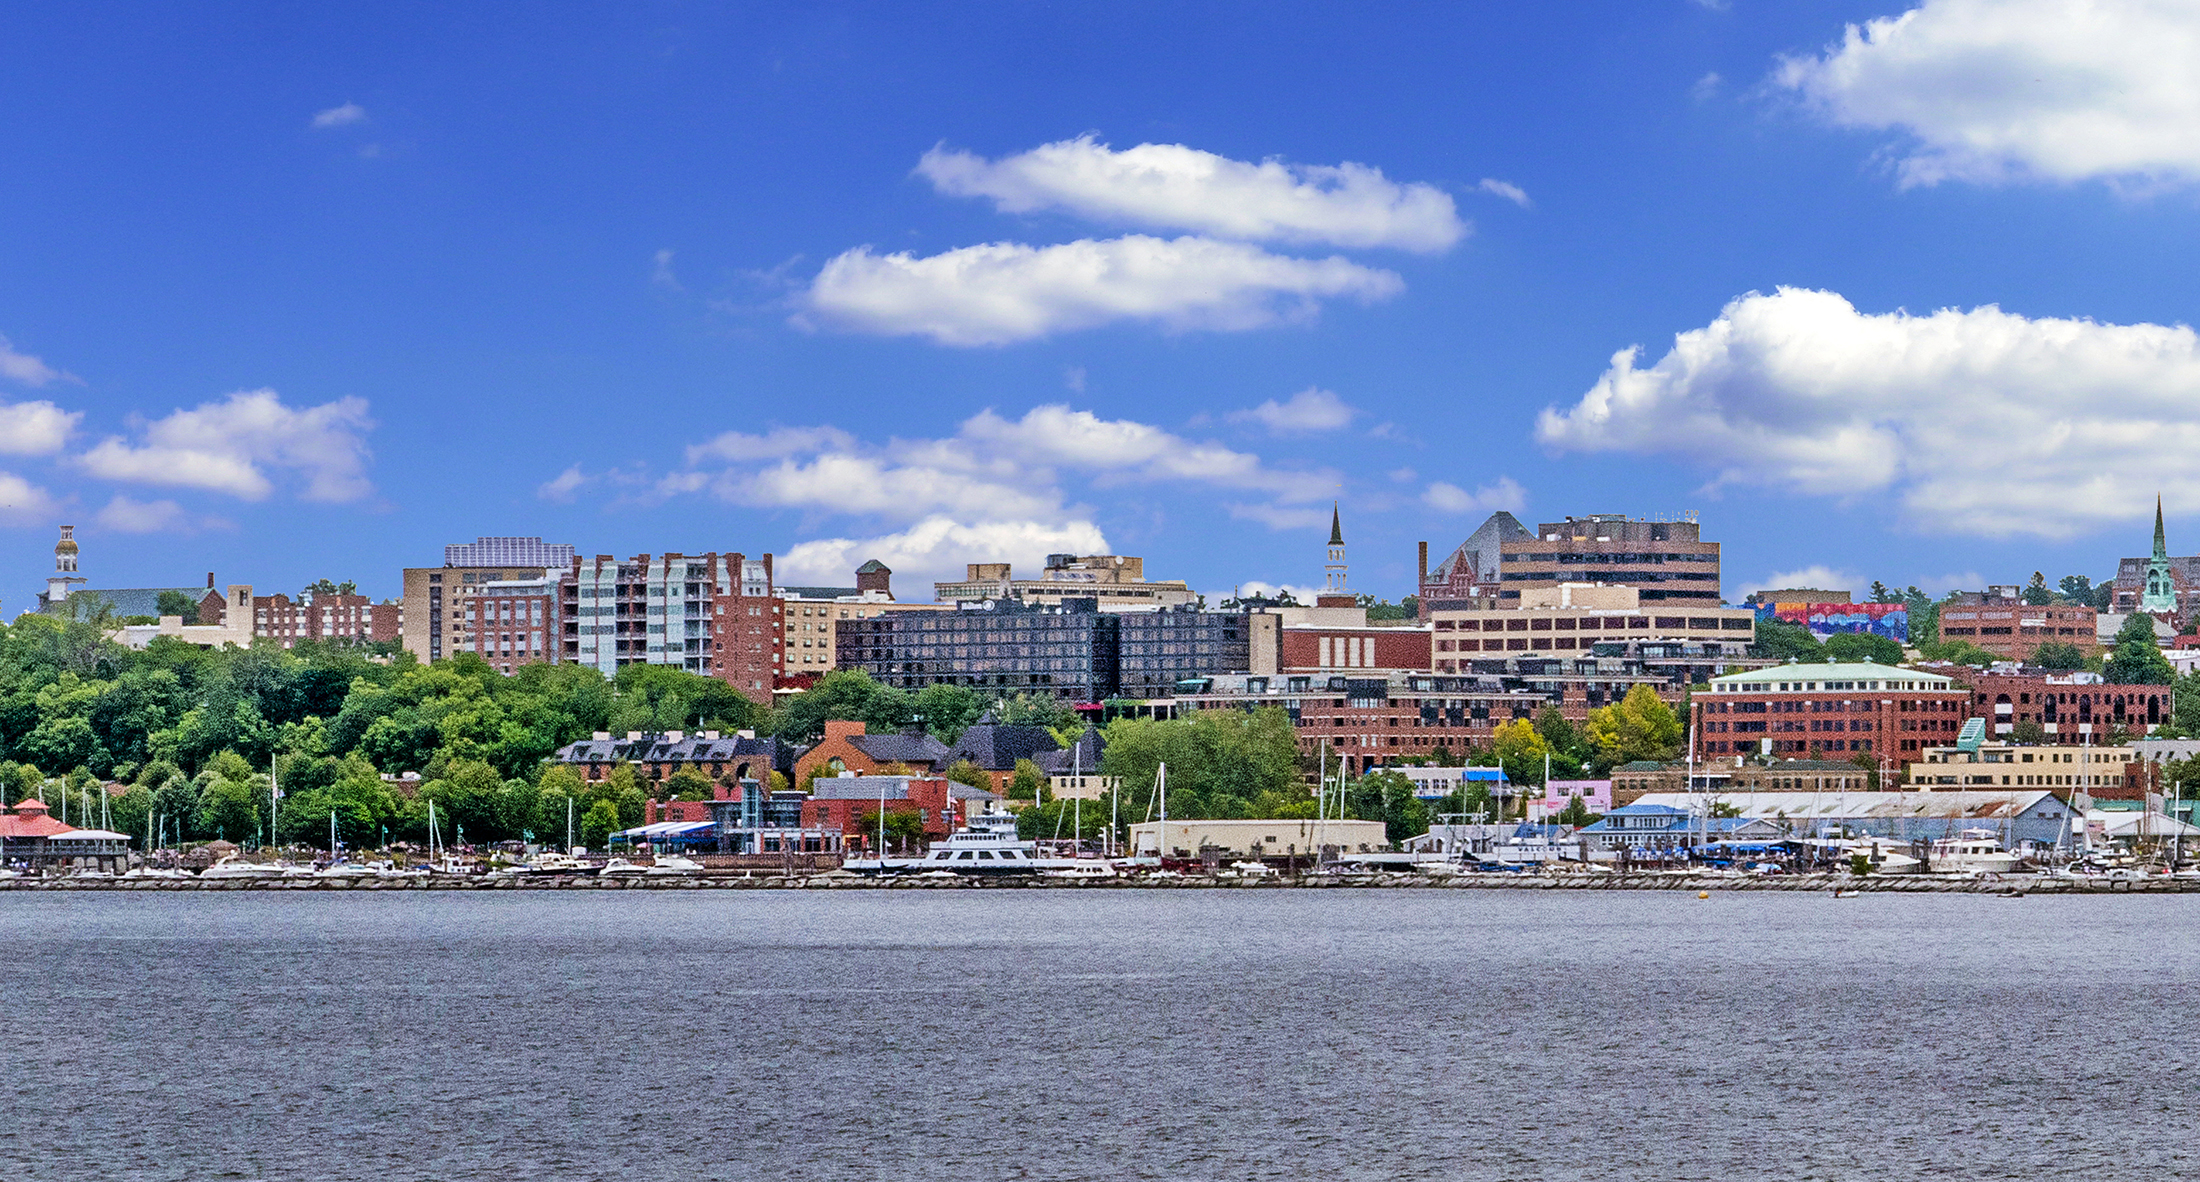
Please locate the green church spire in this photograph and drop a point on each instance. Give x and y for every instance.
(2161, 541)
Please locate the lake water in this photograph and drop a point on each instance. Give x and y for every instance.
(1071, 1034)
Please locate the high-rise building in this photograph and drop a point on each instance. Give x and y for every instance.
(1667, 561)
(1073, 651)
(437, 599)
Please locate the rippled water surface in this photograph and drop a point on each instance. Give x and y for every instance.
(1072, 1034)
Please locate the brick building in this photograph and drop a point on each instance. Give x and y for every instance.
(1575, 619)
(354, 618)
(1667, 561)
(2074, 707)
(849, 747)
(1366, 722)
(1828, 710)
(1999, 621)
(727, 759)
(1318, 648)
(841, 803)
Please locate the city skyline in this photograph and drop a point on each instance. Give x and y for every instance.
(298, 297)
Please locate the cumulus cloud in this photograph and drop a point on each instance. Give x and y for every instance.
(1174, 187)
(24, 368)
(231, 447)
(1994, 90)
(24, 503)
(124, 515)
(779, 441)
(1280, 517)
(34, 428)
(1979, 422)
(1809, 578)
(343, 116)
(937, 547)
(1004, 292)
(561, 487)
(1509, 191)
(1309, 410)
(1502, 493)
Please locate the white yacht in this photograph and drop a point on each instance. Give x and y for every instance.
(672, 866)
(546, 864)
(621, 868)
(234, 866)
(987, 847)
(344, 870)
(1973, 851)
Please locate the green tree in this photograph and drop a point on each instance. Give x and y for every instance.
(2058, 655)
(2027, 732)
(2036, 592)
(599, 823)
(1576, 813)
(1520, 750)
(2137, 659)
(1639, 726)
(1782, 641)
(1863, 646)
(687, 784)
(176, 603)
(2076, 589)
(904, 828)
(1028, 783)
(229, 799)
(948, 710)
(963, 771)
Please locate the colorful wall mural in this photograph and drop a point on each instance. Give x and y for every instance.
(1891, 620)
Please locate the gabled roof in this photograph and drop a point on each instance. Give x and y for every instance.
(766, 753)
(1081, 757)
(902, 747)
(997, 746)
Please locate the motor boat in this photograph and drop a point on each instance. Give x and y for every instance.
(1973, 851)
(234, 866)
(546, 865)
(672, 866)
(347, 871)
(1252, 870)
(986, 847)
(152, 872)
(621, 868)
(1082, 868)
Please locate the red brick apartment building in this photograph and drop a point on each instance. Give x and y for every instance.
(1828, 711)
(2000, 622)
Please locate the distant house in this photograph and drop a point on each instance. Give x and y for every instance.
(850, 747)
(995, 747)
(1661, 828)
(1073, 773)
(727, 758)
(841, 804)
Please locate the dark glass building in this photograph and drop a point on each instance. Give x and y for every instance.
(1072, 651)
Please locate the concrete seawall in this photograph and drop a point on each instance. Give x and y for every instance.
(1822, 883)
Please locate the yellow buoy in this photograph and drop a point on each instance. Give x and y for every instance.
(1703, 894)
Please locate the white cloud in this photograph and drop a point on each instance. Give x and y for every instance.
(24, 368)
(34, 428)
(1981, 422)
(661, 274)
(779, 441)
(343, 116)
(124, 515)
(231, 446)
(24, 503)
(1174, 187)
(1809, 578)
(1509, 191)
(1969, 580)
(1004, 292)
(1280, 517)
(1403, 475)
(1309, 410)
(1993, 90)
(1122, 449)
(937, 547)
(561, 487)
(1305, 595)
(1503, 493)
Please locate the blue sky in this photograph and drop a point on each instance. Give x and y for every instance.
(299, 294)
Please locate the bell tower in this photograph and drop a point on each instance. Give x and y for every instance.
(64, 578)
(1334, 592)
(2159, 598)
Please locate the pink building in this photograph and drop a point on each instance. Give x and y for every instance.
(1595, 794)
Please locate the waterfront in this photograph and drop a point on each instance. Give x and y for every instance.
(1147, 1034)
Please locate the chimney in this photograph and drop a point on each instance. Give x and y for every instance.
(1424, 570)
(210, 580)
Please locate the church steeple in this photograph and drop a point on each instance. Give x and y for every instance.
(1336, 525)
(2160, 594)
(1334, 568)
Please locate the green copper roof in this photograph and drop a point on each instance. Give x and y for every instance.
(1816, 675)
